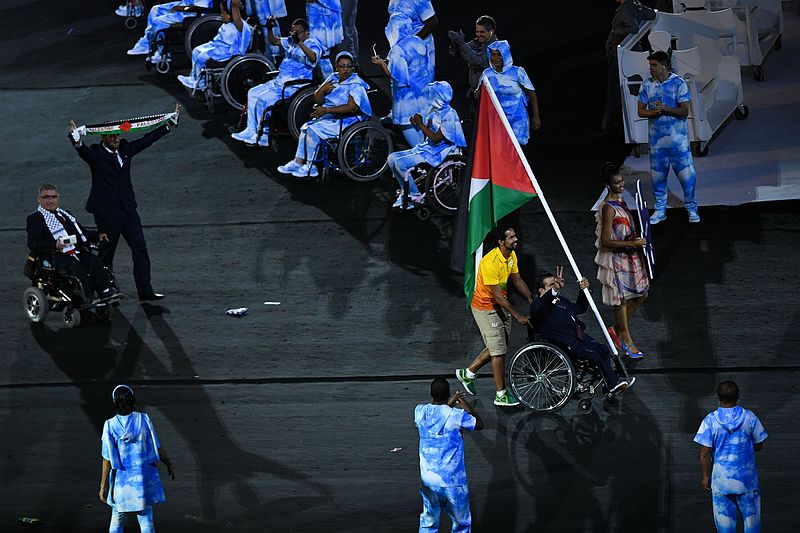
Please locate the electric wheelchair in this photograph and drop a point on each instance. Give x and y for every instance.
(544, 375)
(440, 185)
(54, 290)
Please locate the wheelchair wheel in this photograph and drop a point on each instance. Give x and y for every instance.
(131, 23)
(300, 107)
(163, 66)
(364, 151)
(241, 74)
(72, 317)
(443, 184)
(541, 376)
(36, 304)
(201, 31)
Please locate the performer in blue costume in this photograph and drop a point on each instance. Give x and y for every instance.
(344, 102)
(301, 54)
(408, 69)
(161, 17)
(423, 22)
(443, 135)
(514, 90)
(233, 38)
(325, 21)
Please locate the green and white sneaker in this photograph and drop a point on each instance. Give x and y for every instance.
(468, 383)
(506, 400)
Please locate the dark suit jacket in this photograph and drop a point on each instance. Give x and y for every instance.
(40, 238)
(555, 317)
(112, 190)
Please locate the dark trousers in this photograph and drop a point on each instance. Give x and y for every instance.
(129, 227)
(598, 355)
(86, 267)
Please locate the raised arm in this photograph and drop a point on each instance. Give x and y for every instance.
(236, 14)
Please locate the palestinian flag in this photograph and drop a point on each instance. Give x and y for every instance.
(121, 126)
(501, 182)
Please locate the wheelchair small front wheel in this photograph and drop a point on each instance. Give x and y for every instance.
(36, 304)
(72, 317)
(541, 376)
(163, 66)
(131, 23)
(585, 406)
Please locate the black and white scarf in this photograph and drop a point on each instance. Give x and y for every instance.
(58, 230)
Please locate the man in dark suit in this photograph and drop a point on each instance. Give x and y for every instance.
(112, 200)
(50, 228)
(555, 318)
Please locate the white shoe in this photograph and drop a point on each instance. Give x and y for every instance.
(190, 83)
(122, 11)
(141, 48)
(399, 201)
(290, 167)
(308, 170)
(156, 58)
(247, 135)
(417, 198)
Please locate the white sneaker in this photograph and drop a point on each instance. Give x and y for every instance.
(141, 48)
(290, 167)
(122, 11)
(247, 135)
(417, 198)
(399, 201)
(308, 170)
(156, 58)
(190, 83)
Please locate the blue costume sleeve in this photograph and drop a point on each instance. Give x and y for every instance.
(704, 435)
(361, 99)
(683, 92)
(398, 67)
(524, 80)
(243, 42)
(644, 98)
(424, 9)
(467, 421)
(109, 449)
(759, 434)
(154, 444)
(451, 128)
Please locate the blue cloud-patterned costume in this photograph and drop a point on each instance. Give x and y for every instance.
(441, 465)
(325, 23)
(295, 66)
(130, 444)
(330, 126)
(408, 67)
(228, 42)
(441, 117)
(160, 18)
(732, 432)
(669, 140)
(509, 85)
(266, 8)
(418, 11)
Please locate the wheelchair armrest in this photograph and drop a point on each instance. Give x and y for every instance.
(298, 82)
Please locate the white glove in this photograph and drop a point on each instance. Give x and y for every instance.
(78, 133)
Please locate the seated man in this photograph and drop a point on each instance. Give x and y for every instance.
(555, 318)
(443, 135)
(233, 38)
(344, 101)
(51, 228)
(161, 17)
(301, 55)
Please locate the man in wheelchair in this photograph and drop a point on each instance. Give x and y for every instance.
(301, 55)
(55, 231)
(554, 318)
(161, 17)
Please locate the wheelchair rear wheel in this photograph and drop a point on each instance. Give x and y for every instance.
(541, 376)
(241, 74)
(201, 31)
(364, 151)
(36, 305)
(299, 111)
(443, 184)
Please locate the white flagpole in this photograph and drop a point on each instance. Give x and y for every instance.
(550, 215)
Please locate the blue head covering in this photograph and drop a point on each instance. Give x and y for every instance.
(505, 50)
(440, 94)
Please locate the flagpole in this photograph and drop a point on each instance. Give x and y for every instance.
(550, 215)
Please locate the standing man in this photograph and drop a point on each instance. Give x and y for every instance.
(112, 200)
(664, 101)
(729, 438)
(493, 312)
(474, 53)
(441, 457)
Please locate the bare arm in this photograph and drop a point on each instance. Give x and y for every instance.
(435, 136)
(706, 462)
(521, 286)
(459, 400)
(310, 54)
(757, 447)
(605, 232)
(506, 305)
(106, 469)
(643, 112)
(162, 453)
(273, 39)
(428, 27)
(348, 109)
(534, 109)
(236, 15)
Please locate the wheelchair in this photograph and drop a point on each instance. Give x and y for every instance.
(284, 117)
(192, 31)
(53, 290)
(545, 376)
(441, 186)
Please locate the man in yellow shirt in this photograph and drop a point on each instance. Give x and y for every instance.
(493, 312)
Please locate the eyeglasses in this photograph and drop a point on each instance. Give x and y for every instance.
(48, 196)
(348, 65)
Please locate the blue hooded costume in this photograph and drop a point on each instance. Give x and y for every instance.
(325, 23)
(509, 85)
(418, 11)
(161, 17)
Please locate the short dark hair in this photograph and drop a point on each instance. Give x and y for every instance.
(440, 390)
(487, 22)
(660, 56)
(728, 392)
(47, 187)
(608, 172)
(499, 233)
(301, 22)
(124, 402)
(541, 276)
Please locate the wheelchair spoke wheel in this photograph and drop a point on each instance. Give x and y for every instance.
(299, 111)
(36, 305)
(444, 183)
(541, 376)
(201, 31)
(364, 150)
(242, 74)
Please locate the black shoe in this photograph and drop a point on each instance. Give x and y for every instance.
(152, 297)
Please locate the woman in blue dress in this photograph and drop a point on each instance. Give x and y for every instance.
(514, 90)
(443, 135)
(233, 38)
(407, 66)
(325, 22)
(423, 22)
(130, 448)
(343, 99)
